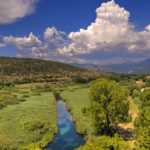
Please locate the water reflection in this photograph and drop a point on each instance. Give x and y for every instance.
(66, 138)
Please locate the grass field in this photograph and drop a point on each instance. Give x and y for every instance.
(30, 124)
(77, 97)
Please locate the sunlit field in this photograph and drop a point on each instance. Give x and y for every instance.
(77, 98)
(30, 123)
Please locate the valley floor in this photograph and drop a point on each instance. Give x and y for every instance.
(29, 124)
(77, 98)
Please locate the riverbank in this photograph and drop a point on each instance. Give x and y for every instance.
(67, 137)
(76, 99)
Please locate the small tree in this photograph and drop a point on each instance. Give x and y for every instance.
(108, 106)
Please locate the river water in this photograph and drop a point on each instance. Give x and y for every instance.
(67, 137)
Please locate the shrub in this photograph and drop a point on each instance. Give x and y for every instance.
(105, 143)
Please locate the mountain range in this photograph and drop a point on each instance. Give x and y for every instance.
(88, 66)
(140, 67)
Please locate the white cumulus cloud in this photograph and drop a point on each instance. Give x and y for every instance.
(55, 38)
(12, 10)
(111, 35)
(23, 42)
(53, 35)
(110, 30)
(26, 46)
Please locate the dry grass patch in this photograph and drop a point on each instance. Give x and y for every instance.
(130, 126)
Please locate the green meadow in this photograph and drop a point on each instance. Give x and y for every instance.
(77, 98)
(28, 119)
(30, 123)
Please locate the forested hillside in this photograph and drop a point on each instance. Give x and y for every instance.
(24, 70)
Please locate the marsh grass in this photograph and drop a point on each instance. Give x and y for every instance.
(28, 125)
(77, 98)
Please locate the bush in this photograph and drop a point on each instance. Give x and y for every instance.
(25, 96)
(32, 125)
(104, 143)
(7, 98)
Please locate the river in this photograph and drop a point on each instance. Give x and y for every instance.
(67, 137)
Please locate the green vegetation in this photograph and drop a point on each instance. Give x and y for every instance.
(23, 70)
(99, 109)
(105, 143)
(133, 112)
(76, 98)
(7, 98)
(30, 124)
(108, 105)
(142, 122)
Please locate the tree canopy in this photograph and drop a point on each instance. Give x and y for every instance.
(109, 105)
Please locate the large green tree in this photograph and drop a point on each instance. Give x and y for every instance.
(142, 122)
(109, 105)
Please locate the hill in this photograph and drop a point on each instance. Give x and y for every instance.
(88, 66)
(24, 70)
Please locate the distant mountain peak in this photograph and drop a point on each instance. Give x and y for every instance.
(88, 66)
(139, 67)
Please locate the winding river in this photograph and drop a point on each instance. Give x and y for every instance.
(67, 137)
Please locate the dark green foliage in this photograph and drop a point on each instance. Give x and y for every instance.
(56, 94)
(109, 105)
(142, 122)
(129, 84)
(23, 70)
(7, 98)
(79, 79)
(32, 125)
(6, 83)
(147, 81)
(105, 143)
(25, 96)
(125, 77)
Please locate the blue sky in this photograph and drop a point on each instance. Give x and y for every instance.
(69, 16)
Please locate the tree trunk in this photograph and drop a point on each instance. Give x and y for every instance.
(111, 148)
(107, 124)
